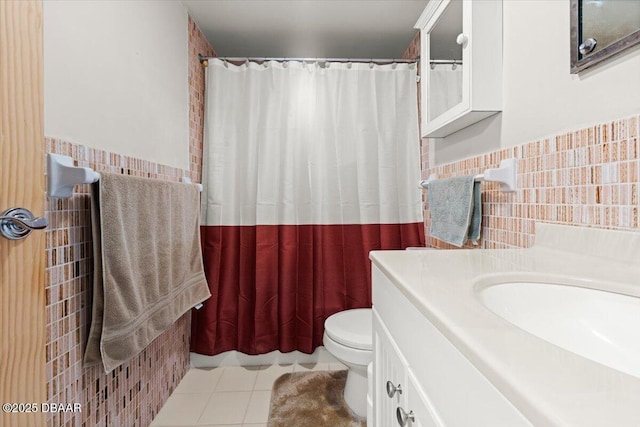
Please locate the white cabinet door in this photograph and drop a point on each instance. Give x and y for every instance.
(409, 406)
(460, 64)
(390, 375)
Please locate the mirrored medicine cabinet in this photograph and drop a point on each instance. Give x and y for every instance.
(461, 64)
(601, 29)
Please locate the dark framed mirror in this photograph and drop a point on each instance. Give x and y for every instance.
(601, 29)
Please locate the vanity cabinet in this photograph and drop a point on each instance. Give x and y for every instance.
(460, 64)
(440, 386)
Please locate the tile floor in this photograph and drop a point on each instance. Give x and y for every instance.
(232, 396)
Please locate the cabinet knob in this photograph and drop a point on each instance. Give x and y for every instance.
(403, 417)
(462, 39)
(393, 389)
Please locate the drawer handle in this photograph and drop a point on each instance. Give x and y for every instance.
(393, 389)
(403, 417)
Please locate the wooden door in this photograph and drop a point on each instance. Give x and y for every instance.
(22, 297)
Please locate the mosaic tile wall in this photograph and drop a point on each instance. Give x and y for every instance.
(134, 393)
(588, 177)
(197, 44)
(413, 52)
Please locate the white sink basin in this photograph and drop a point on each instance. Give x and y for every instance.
(601, 326)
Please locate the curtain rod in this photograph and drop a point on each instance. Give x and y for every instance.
(204, 59)
(446, 61)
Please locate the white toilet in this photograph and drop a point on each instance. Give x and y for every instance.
(348, 337)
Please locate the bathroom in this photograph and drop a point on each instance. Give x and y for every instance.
(574, 135)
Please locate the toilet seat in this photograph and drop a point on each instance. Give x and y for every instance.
(351, 328)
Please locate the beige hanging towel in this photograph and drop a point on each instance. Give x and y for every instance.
(148, 263)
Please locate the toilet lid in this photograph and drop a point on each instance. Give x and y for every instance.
(351, 328)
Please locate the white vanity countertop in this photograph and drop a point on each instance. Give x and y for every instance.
(549, 385)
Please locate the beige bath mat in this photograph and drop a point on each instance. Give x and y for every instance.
(311, 399)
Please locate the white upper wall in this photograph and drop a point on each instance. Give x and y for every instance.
(540, 96)
(116, 77)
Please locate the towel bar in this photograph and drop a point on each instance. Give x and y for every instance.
(62, 176)
(188, 180)
(505, 175)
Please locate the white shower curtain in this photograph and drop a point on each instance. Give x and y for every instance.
(445, 88)
(302, 144)
(307, 168)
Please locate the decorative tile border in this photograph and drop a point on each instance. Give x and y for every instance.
(589, 177)
(134, 393)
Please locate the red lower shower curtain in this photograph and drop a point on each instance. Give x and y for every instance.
(306, 169)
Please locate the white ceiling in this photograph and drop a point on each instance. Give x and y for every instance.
(306, 28)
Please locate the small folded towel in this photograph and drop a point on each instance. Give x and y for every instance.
(456, 209)
(147, 264)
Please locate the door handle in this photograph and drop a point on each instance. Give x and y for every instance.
(18, 223)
